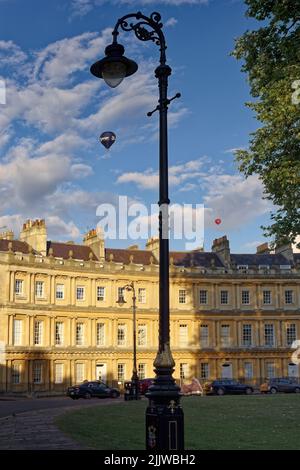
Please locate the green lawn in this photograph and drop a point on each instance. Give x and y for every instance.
(228, 422)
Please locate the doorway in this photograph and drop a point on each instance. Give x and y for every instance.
(226, 370)
(101, 372)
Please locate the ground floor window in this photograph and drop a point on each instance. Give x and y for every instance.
(204, 370)
(79, 372)
(184, 371)
(59, 373)
(270, 370)
(16, 374)
(37, 372)
(248, 370)
(142, 371)
(121, 372)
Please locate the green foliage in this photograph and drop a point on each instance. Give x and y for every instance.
(271, 59)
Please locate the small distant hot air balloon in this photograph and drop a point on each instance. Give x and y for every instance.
(107, 139)
(218, 221)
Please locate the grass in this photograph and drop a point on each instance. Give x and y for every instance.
(211, 423)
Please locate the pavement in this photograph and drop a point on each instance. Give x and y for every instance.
(34, 429)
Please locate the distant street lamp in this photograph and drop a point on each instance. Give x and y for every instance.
(134, 377)
(164, 415)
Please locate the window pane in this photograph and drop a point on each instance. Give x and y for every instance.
(39, 289)
(184, 371)
(204, 336)
(38, 333)
(142, 295)
(100, 294)
(16, 373)
(59, 333)
(247, 335)
(79, 334)
(245, 297)
(224, 297)
(37, 373)
(79, 372)
(60, 291)
(267, 300)
(204, 370)
(203, 297)
(19, 287)
(80, 293)
(142, 371)
(291, 333)
(142, 335)
(183, 335)
(17, 333)
(100, 334)
(59, 373)
(121, 372)
(182, 296)
(121, 335)
(269, 334)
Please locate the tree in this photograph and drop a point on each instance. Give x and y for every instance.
(271, 59)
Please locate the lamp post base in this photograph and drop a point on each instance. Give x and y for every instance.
(164, 415)
(164, 427)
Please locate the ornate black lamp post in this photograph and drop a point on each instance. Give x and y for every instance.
(164, 416)
(134, 377)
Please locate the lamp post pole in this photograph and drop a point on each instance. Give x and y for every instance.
(134, 377)
(164, 415)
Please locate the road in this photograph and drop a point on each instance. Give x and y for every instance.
(10, 407)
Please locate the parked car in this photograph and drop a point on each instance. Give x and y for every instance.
(226, 386)
(144, 384)
(95, 388)
(280, 385)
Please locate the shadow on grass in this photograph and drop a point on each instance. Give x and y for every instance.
(211, 423)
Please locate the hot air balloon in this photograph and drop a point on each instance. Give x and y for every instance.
(107, 139)
(218, 221)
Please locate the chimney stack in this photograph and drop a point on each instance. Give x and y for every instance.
(286, 250)
(153, 245)
(221, 248)
(263, 249)
(95, 240)
(34, 233)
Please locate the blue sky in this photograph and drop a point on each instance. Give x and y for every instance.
(52, 164)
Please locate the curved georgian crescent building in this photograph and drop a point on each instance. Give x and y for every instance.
(232, 315)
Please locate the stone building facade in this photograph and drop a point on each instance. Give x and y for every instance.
(232, 315)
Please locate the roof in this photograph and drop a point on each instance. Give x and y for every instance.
(196, 258)
(123, 256)
(61, 250)
(259, 259)
(17, 246)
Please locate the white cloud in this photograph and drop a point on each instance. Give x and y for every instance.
(171, 22)
(177, 175)
(82, 7)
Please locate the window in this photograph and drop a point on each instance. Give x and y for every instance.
(224, 297)
(183, 335)
(79, 334)
(121, 291)
(121, 334)
(60, 291)
(17, 332)
(142, 295)
(37, 373)
(245, 297)
(242, 268)
(269, 334)
(204, 336)
(270, 370)
(248, 370)
(80, 293)
(38, 332)
(100, 334)
(204, 370)
(19, 287)
(79, 371)
(59, 333)
(267, 298)
(182, 296)
(142, 371)
(225, 336)
(100, 294)
(121, 372)
(288, 294)
(203, 297)
(16, 374)
(290, 333)
(39, 289)
(247, 335)
(142, 335)
(59, 373)
(184, 371)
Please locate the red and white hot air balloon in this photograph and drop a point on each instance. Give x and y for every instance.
(218, 221)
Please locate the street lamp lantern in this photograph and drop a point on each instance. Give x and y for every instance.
(115, 66)
(164, 415)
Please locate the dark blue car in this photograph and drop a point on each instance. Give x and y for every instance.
(95, 388)
(227, 386)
